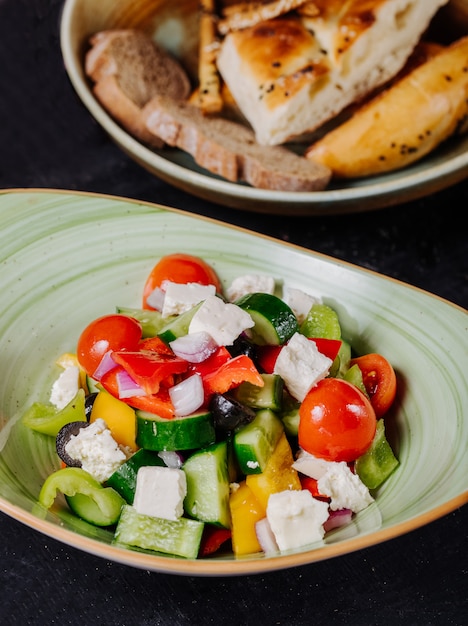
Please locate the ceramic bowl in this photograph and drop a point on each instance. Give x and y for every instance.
(175, 26)
(68, 258)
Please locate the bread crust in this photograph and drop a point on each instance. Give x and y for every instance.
(128, 69)
(229, 149)
(292, 74)
(404, 122)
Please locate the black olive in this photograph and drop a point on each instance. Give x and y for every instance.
(63, 437)
(229, 414)
(89, 401)
(242, 345)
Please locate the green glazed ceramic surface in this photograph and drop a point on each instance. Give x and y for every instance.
(67, 258)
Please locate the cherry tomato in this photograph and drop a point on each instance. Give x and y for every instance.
(379, 380)
(336, 421)
(109, 332)
(180, 268)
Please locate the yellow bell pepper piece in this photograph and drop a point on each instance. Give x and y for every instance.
(246, 510)
(119, 417)
(278, 474)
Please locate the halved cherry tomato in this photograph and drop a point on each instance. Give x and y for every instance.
(267, 355)
(150, 369)
(379, 380)
(336, 421)
(159, 403)
(231, 374)
(107, 333)
(180, 268)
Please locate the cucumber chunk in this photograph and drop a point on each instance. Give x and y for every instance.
(178, 326)
(180, 538)
(180, 433)
(376, 465)
(151, 321)
(270, 396)
(275, 321)
(123, 480)
(321, 321)
(207, 475)
(254, 443)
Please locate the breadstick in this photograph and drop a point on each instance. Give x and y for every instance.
(209, 92)
(246, 14)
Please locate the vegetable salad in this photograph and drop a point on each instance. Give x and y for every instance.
(217, 419)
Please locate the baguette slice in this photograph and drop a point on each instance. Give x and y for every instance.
(229, 149)
(128, 69)
(403, 123)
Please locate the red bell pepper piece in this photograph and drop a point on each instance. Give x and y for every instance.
(212, 363)
(212, 539)
(311, 485)
(155, 344)
(231, 374)
(159, 403)
(150, 369)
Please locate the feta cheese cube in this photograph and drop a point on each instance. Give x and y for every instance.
(250, 283)
(300, 302)
(223, 321)
(65, 387)
(97, 450)
(179, 298)
(345, 489)
(301, 365)
(296, 518)
(160, 492)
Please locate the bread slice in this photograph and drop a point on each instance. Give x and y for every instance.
(128, 69)
(292, 74)
(403, 123)
(229, 149)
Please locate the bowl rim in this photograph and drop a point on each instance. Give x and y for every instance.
(378, 194)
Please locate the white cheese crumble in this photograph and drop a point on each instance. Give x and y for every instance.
(310, 465)
(222, 320)
(346, 490)
(179, 298)
(301, 365)
(65, 387)
(296, 518)
(300, 302)
(160, 492)
(97, 450)
(250, 283)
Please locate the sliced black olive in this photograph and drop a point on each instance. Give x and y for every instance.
(229, 414)
(63, 437)
(242, 345)
(89, 401)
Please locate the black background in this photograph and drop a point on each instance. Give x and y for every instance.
(49, 140)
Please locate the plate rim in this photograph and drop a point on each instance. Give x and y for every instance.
(376, 196)
(225, 567)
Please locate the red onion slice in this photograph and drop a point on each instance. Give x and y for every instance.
(106, 364)
(187, 396)
(195, 347)
(265, 536)
(127, 387)
(339, 518)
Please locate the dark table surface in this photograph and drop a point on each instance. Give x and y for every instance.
(48, 140)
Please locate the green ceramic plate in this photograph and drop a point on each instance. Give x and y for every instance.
(174, 25)
(67, 258)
